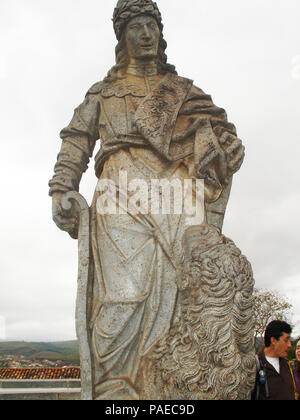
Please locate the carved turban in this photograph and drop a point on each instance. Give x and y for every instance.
(128, 9)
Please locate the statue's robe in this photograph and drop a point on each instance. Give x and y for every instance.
(154, 128)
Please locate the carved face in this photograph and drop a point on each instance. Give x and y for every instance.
(142, 37)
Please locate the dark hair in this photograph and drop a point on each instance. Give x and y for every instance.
(122, 60)
(276, 329)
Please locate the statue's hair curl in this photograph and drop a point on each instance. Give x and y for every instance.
(209, 352)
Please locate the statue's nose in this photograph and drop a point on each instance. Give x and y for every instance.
(146, 33)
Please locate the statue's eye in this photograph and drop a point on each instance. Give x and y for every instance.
(133, 27)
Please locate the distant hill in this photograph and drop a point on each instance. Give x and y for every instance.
(67, 351)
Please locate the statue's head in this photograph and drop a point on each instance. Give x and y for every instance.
(139, 31)
(130, 9)
(142, 38)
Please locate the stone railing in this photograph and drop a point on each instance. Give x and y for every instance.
(40, 389)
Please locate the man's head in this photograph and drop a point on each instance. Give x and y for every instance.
(278, 338)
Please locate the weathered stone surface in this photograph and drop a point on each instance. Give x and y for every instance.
(150, 286)
(205, 355)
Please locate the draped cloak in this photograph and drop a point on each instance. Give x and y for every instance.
(152, 128)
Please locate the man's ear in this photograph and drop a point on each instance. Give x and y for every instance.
(273, 341)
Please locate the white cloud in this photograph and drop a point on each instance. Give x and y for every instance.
(3, 67)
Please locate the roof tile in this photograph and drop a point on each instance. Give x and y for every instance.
(40, 373)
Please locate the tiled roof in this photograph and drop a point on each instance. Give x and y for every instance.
(40, 373)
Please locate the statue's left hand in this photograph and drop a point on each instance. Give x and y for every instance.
(234, 152)
(65, 220)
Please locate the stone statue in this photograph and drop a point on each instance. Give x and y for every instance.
(164, 307)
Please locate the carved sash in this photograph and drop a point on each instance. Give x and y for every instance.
(156, 116)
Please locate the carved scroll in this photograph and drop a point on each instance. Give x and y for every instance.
(74, 200)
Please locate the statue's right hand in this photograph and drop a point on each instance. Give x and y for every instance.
(65, 220)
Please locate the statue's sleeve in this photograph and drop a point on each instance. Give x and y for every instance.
(78, 142)
(200, 104)
(213, 140)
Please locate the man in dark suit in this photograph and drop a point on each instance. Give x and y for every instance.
(274, 380)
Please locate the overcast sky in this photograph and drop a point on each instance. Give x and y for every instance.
(246, 54)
